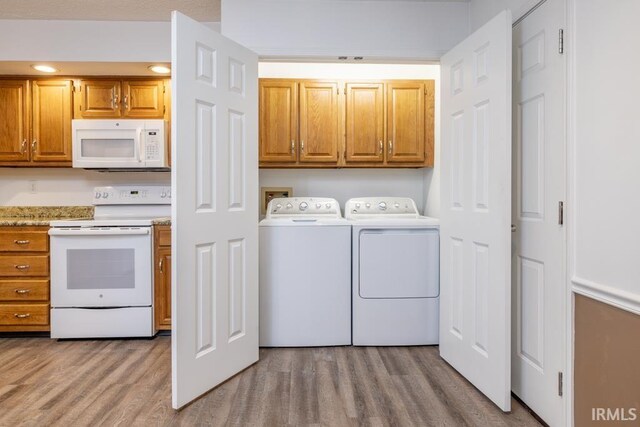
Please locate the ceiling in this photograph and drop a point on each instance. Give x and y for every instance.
(111, 10)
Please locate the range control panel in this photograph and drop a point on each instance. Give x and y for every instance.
(309, 206)
(132, 195)
(371, 207)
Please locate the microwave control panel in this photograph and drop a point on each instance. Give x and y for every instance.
(152, 145)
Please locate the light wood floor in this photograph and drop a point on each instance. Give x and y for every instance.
(128, 382)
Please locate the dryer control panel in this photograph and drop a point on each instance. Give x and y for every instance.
(375, 207)
(303, 206)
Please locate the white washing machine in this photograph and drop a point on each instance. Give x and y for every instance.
(396, 272)
(305, 274)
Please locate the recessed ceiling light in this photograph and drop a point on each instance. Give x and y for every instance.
(44, 68)
(160, 69)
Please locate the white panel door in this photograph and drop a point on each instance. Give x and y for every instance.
(539, 178)
(214, 212)
(475, 254)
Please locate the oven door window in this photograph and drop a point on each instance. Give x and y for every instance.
(101, 268)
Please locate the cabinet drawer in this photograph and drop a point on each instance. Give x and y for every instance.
(24, 290)
(24, 265)
(23, 241)
(164, 237)
(24, 314)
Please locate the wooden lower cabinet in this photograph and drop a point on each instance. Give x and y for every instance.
(24, 279)
(162, 277)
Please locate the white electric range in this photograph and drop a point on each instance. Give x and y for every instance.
(102, 268)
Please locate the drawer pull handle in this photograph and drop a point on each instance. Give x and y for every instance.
(161, 265)
(23, 291)
(23, 267)
(21, 242)
(22, 316)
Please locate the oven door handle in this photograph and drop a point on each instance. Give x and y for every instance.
(99, 231)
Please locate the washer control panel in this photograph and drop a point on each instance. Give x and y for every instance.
(308, 206)
(369, 207)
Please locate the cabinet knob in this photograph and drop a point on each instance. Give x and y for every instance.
(293, 147)
(114, 101)
(126, 103)
(301, 146)
(34, 144)
(24, 146)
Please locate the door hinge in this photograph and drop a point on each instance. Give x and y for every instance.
(561, 41)
(560, 384)
(561, 213)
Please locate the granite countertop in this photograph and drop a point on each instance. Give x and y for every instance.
(162, 221)
(23, 216)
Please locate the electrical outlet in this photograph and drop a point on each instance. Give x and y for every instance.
(33, 187)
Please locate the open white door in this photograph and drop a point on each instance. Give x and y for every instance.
(214, 213)
(475, 255)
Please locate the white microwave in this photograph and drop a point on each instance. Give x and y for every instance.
(119, 144)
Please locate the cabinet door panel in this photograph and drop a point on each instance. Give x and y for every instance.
(52, 112)
(406, 115)
(278, 121)
(14, 122)
(143, 99)
(365, 122)
(99, 99)
(319, 118)
(162, 299)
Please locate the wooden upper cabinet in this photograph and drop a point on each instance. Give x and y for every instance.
(132, 99)
(364, 122)
(14, 120)
(319, 122)
(143, 99)
(99, 99)
(406, 122)
(51, 126)
(278, 121)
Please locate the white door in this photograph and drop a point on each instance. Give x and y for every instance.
(475, 254)
(215, 208)
(539, 178)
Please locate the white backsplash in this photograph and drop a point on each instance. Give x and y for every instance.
(65, 187)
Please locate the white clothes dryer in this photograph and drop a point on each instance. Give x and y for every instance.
(395, 272)
(305, 274)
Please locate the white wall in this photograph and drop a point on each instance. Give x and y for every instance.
(481, 11)
(606, 187)
(92, 41)
(330, 28)
(65, 187)
(342, 184)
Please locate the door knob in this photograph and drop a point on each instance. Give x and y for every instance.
(513, 228)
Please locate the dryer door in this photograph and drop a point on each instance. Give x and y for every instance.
(399, 263)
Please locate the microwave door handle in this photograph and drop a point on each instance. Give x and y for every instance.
(141, 146)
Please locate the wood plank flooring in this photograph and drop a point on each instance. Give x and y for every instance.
(128, 382)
